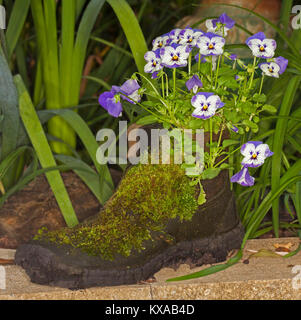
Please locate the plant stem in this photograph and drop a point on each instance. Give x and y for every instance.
(2, 189)
(211, 71)
(210, 154)
(260, 89)
(220, 136)
(253, 72)
(228, 156)
(217, 71)
(174, 81)
(189, 64)
(261, 84)
(166, 84)
(163, 93)
(199, 63)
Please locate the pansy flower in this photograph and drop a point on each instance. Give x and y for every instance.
(160, 42)
(189, 36)
(205, 104)
(234, 129)
(220, 26)
(174, 36)
(174, 56)
(211, 44)
(129, 91)
(110, 101)
(243, 178)
(275, 67)
(255, 153)
(153, 62)
(194, 83)
(262, 47)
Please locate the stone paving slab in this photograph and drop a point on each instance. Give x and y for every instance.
(261, 278)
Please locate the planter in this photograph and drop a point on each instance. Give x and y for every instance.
(208, 237)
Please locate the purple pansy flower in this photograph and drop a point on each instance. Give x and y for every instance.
(255, 153)
(261, 47)
(160, 42)
(111, 102)
(234, 129)
(243, 178)
(220, 26)
(174, 56)
(275, 67)
(211, 44)
(129, 90)
(233, 56)
(194, 83)
(189, 36)
(174, 36)
(153, 62)
(205, 104)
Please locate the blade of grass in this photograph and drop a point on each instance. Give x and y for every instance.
(89, 141)
(112, 45)
(42, 148)
(132, 30)
(81, 43)
(16, 23)
(279, 137)
(88, 176)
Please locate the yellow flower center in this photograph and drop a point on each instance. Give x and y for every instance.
(254, 156)
(210, 46)
(160, 44)
(271, 70)
(154, 63)
(205, 108)
(262, 48)
(175, 58)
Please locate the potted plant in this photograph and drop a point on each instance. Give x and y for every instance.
(166, 214)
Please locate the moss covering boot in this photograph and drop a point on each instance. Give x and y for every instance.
(152, 221)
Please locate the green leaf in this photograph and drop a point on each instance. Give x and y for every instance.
(132, 30)
(42, 148)
(260, 98)
(9, 161)
(81, 128)
(252, 125)
(87, 174)
(202, 196)
(279, 137)
(229, 142)
(210, 173)
(247, 106)
(16, 23)
(269, 108)
(9, 109)
(147, 120)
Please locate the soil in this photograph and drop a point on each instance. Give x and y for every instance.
(34, 207)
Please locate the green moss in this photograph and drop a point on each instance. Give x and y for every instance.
(147, 197)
